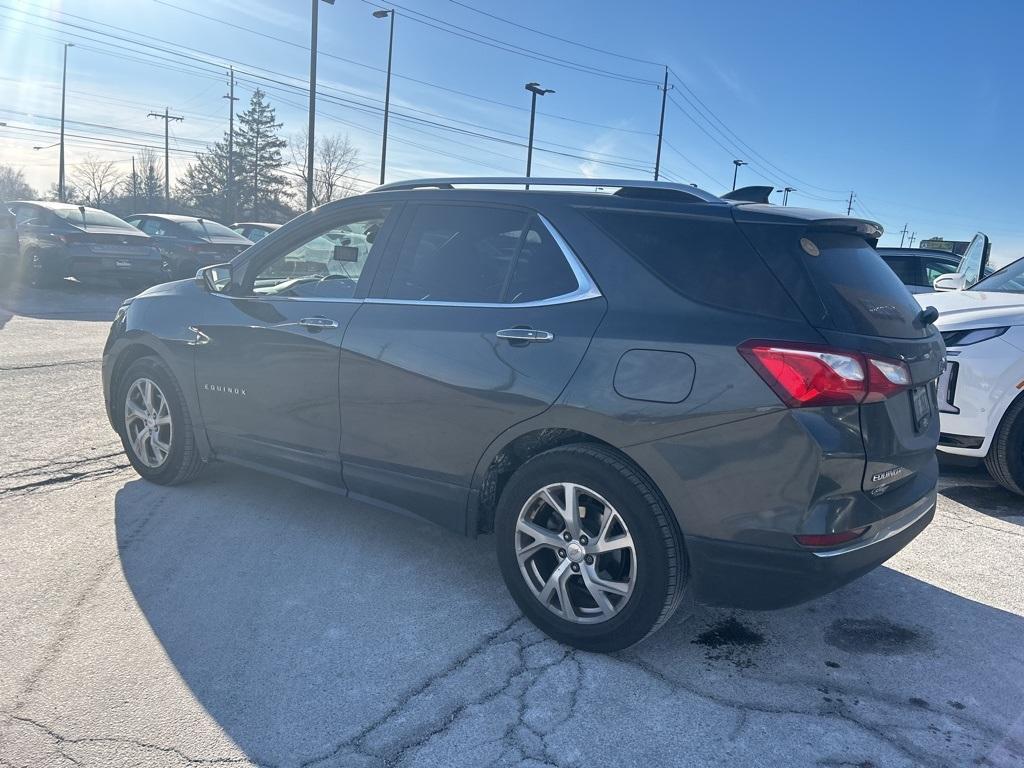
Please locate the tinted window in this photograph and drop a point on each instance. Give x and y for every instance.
(541, 271)
(156, 228)
(933, 269)
(861, 294)
(328, 264)
(905, 267)
(205, 228)
(256, 234)
(704, 259)
(457, 253)
(1010, 279)
(90, 217)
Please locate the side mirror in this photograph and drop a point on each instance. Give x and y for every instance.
(215, 278)
(955, 281)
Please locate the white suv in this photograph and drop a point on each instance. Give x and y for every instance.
(981, 392)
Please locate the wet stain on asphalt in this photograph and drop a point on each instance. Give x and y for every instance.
(956, 704)
(917, 702)
(875, 636)
(730, 640)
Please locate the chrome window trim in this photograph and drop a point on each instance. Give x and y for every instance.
(585, 286)
(265, 297)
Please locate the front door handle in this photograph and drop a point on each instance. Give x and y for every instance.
(525, 335)
(318, 323)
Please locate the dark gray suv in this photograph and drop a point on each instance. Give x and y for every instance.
(641, 389)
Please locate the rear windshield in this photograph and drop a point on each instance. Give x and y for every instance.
(206, 228)
(91, 217)
(862, 295)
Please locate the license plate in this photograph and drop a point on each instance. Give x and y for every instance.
(921, 405)
(122, 264)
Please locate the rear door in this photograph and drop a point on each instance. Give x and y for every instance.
(478, 324)
(857, 303)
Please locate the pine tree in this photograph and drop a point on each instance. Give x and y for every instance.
(259, 186)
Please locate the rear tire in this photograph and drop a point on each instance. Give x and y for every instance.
(177, 460)
(38, 274)
(1005, 459)
(616, 594)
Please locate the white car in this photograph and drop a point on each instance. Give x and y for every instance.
(981, 392)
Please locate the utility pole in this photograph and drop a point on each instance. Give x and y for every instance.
(913, 237)
(903, 233)
(849, 203)
(661, 125)
(387, 88)
(167, 117)
(735, 171)
(135, 187)
(311, 138)
(63, 94)
(785, 194)
(231, 145)
(256, 173)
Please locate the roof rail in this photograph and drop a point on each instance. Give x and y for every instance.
(633, 185)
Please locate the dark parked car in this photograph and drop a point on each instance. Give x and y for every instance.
(254, 230)
(641, 393)
(188, 243)
(58, 240)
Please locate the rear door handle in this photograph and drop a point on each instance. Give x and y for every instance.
(318, 322)
(525, 335)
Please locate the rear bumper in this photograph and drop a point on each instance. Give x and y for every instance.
(756, 577)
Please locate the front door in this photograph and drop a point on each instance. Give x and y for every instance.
(484, 319)
(267, 357)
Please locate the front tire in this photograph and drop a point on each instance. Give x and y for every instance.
(587, 548)
(155, 426)
(1005, 459)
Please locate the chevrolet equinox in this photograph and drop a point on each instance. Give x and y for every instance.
(643, 390)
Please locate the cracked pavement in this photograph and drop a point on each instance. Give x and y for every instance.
(242, 620)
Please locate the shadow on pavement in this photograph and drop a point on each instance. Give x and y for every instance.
(973, 487)
(71, 300)
(319, 631)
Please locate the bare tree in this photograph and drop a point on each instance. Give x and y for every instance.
(96, 179)
(13, 185)
(335, 162)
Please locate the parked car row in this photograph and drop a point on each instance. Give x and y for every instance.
(45, 242)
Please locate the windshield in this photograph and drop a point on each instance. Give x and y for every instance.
(1009, 279)
(206, 228)
(91, 217)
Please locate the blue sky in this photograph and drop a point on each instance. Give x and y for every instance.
(917, 106)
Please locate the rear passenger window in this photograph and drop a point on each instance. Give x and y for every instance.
(905, 267)
(457, 253)
(541, 271)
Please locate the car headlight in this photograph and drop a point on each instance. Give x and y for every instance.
(972, 336)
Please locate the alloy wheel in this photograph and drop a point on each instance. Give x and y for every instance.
(147, 422)
(576, 553)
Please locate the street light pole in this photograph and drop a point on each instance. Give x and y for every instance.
(736, 170)
(63, 94)
(311, 137)
(387, 88)
(785, 194)
(535, 91)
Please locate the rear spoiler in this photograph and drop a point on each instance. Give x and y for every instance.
(750, 194)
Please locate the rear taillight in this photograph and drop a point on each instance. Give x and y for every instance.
(805, 375)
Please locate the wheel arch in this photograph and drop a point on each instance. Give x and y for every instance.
(509, 453)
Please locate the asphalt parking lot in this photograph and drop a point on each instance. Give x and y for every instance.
(242, 620)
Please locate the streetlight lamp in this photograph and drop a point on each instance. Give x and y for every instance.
(382, 14)
(48, 146)
(311, 138)
(736, 170)
(535, 90)
(785, 194)
(63, 93)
